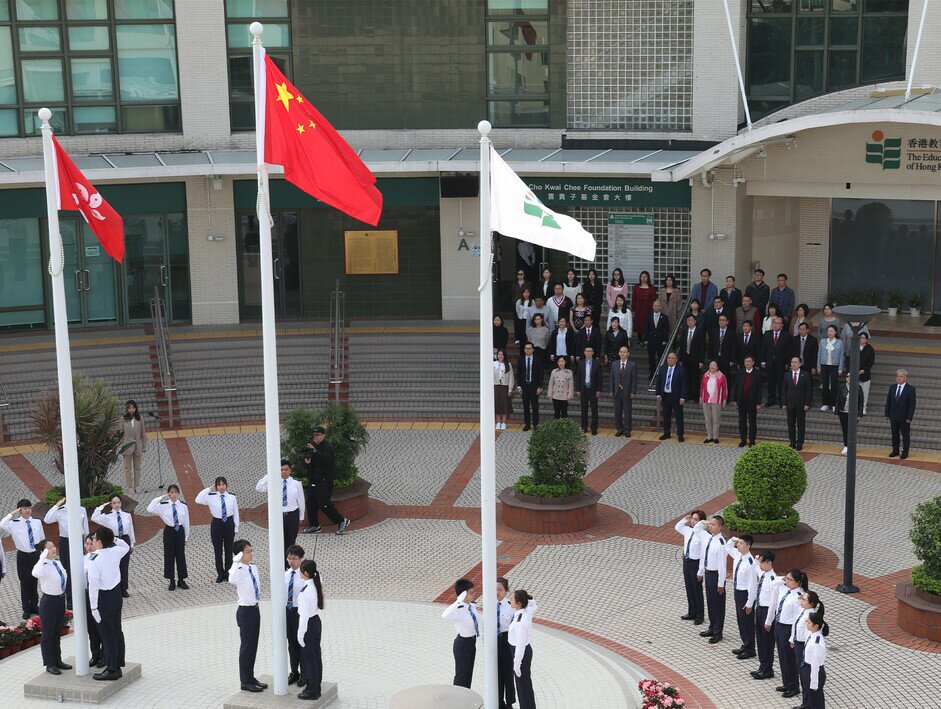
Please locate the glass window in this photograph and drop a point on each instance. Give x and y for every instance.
(86, 9)
(4, 11)
(808, 74)
(811, 5)
(777, 7)
(256, 8)
(769, 57)
(518, 7)
(42, 80)
(85, 38)
(843, 31)
(519, 114)
(518, 73)
(143, 9)
(40, 39)
(151, 119)
(240, 77)
(21, 276)
(33, 125)
(7, 71)
(810, 31)
(883, 48)
(8, 123)
(94, 119)
(147, 62)
(843, 5)
(886, 6)
(842, 70)
(91, 79)
(276, 34)
(33, 10)
(512, 33)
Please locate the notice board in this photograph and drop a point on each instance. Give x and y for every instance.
(373, 252)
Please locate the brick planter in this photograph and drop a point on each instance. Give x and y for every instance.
(353, 501)
(919, 613)
(544, 515)
(792, 550)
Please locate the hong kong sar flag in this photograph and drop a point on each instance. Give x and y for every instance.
(77, 193)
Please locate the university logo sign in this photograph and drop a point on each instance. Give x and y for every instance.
(884, 151)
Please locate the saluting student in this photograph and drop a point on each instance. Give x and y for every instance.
(464, 616)
(106, 598)
(745, 588)
(810, 602)
(524, 607)
(224, 509)
(292, 503)
(57, 513)
(786, 609)
(94, 637)
(309, 629)
(176, 532)
(26, 531)
(122, 524)
(53, 580)
(713, 568)
(765, 595)
(244, 576)
(506, 688)
(815, 655)
(293, 583)
(689, 527)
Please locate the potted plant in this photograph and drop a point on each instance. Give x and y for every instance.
(768, 480)
(66, 622)
(872, 297)
(916, 302)
(896, 300)
(919, 603)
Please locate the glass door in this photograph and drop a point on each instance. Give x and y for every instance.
(90, 293)
(285, 248)
(156, 256)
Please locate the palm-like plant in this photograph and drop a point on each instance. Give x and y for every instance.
(98, 436)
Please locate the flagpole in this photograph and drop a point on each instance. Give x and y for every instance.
(488, 442)
(66, 401)
(272, 420)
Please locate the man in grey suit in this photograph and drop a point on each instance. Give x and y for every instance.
(623, 390)
(588, 387)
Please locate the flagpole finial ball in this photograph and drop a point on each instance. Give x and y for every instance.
(256, 28)
(45, 114)
(484, 127)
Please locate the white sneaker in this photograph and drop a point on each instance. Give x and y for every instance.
(864, 412)
(497, 427)
(502, 426)
(824, 408)
(843, 452)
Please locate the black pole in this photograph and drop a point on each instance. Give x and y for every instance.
(849, 512)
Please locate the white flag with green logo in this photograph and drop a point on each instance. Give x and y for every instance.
(516, 212)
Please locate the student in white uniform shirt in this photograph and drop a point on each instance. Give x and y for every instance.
(26, 531)
(463, 614)
(176, 533)
(524, 607)
(764, 600)
(224, 509)
(58, 514)
(309, 629)
(810, 602)
(94, 637)
(786, 609)
(244, 576)
(292, 503)
(111, 515)
(53, 580)
(106, 599)
(293, 583)
(690, 527)
(744, 590)
(815, 655)
(506, 687)
(713, 570)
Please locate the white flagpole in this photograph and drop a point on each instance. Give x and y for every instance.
(488, 442)
(272, 421)
(66, 400)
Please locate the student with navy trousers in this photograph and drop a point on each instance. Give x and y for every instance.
(671, 393)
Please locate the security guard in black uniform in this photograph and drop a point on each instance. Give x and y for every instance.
(321, 470)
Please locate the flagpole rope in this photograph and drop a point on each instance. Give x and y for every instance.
(52, 271)
(261, 201)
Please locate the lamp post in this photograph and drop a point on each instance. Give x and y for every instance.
(856, 316)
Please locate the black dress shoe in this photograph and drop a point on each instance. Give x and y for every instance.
(904, 455)
(261, 684)
(172, 586)
(62, 666)
(894, 454)
(664, 437)
(53, 670)
(308, 696)
(101, 663)
(26, 616)
(698, 621)
(755, 673)
(125, 594)
(618, 434)
(742, 444)
(792, 693)
(108, 675)
(708, 440)
(293, 677)
(746, 655)
(706, 634)
(301, 682)
(715, 639)
(680, 439)
(246, 686)
(526, 427)
(763, 675)
(220, 578)
(780, 689)
(799, 447)
(182, 584)
(688, 616)
(741, 649)
(95, 659)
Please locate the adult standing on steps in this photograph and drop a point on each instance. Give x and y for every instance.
(712, 571)
(26, 531)
(292, 503)
(176, 533)
(899, 411)
(224, 509)
(134, 432)
(322, 469)
(623, 391)
(121, 525)
(106, 598)
(53, 580)
(690, 527)
(57, 513)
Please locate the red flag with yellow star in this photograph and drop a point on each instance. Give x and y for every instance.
(315, 158)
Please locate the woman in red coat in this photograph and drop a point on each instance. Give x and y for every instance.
(642, 297)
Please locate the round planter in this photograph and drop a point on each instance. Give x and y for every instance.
(893, 312)
(353, 501)
(549, 515)
(792, 550)
(918, 612)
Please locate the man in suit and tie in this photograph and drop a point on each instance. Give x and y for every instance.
(748, 400)
(748, 345)
(712, 315)
(774, 358)
(692, 355)
(795, 399)
(658, 332)
(900, 410)
(722, 346)
(671, 393)
(623, 391)
(529, 384)
(562, 343)
(588, 336)
(588, 387)
(805, 346)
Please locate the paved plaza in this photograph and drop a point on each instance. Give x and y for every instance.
(609, 598)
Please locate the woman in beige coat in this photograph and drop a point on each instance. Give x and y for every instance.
(561, 389)
(671, 300)
(133, 433)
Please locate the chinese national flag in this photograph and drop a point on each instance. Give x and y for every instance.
(315, 158)
(76, 193)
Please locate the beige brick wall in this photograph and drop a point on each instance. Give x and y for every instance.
(204, 86)
(460, 269)
(213, 264)
(720, 216)
(814, 248)
(717, 105)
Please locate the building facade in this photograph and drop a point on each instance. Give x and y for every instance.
(626, 114)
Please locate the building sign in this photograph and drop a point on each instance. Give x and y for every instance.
(372, 252)
(920, 154)
(630, 242)
(607, 192)
(884, 151)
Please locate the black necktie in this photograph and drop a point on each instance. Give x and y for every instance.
(529, 369)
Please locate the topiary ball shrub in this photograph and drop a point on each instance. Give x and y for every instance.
(769, 479)
(926, 536)
(558, 458)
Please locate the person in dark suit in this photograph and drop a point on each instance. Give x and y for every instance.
(714, 313)
(562, 343)
(588, 336)
(722, 345)
(774, 358)
(529, 384)
(671, 393)
(796, 395)
(900, 410)
(748, 344)
(623, 391)
(805, 346)
(748, 400)
(614, 340)
(731, 299)
(692, 355)
(657, 333)
(588, 387)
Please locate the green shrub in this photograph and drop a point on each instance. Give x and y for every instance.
(769, 479)
(53, 495)
(926, 536)
(344, 431)
(527, 486)
(558, 458)
(925, 582)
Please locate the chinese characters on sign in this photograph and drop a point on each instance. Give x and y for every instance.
(923, 154)
(601, 192)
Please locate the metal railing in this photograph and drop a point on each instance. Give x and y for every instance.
(652, 384)
(4, 400)
(158, 315)
(337, 339)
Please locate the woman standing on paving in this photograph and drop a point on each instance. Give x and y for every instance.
(133, 433)
(121, 525)
(105, 597)
(309, 605)
(176, 532)
(561, 389)
(53, 580)
(94, 637)
(502, 388)
(521, 626)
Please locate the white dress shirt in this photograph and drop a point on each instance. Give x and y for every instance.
(306, 609)
(800, 632)
(464, 617)
(213, 498)
(504, 615)
(60, 514)
(3, 559)
(767, 591)
(295, 493)
(110, 520)
(519, 632)
(668, 380)
(560, 349)
(787, 600)
(692, 546)
(743, 573)
(246, 581)
(713, 555)
(164, 509)
(53, 578)
(19, 530)
(815, 655)
(292, 592)
(103, 569)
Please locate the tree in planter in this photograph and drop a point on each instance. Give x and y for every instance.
(344, 431)
(926, 536)
(769, 479)
(558, 458)
(99, 436)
